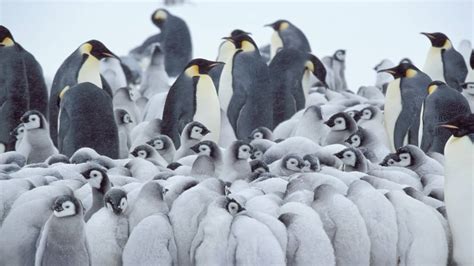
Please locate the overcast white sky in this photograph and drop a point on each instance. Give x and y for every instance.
(368, 30)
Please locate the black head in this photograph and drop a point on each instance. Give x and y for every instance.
(96, 49)
(233, 206)
(196, 130)
(437, 39)
(279, 25)
(261, 133)
(6, 38)
(357, 139)
(122, 117)
(206, 147)
(33, 119)
(293, 162)
(404, 69)
(237, 32)
(200, 66)
(243, 41)
(433, 86)
(18, 131)
(162, 142)
(406, 155)
(312, 163)
(340, 55)
(461, 125)
(65, 206)
(116, 200)
(174, 165)
(258, 166)
(350, 157)
(97, 177)
(340, 121)
(354, 114)
(368, 113)
(159, 17)
(471, 59)
(241, 150)
(406, 60)
(143, 151)
(315, 65)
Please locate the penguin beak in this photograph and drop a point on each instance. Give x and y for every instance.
(388, 70)
(339, 155)
(427, 35)
(228, 39)
(195, 148)
(58, 208)
(272, 25)
(329, 123)
(449, 126)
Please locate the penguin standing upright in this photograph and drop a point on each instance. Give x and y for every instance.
(287, 35)
(404, 97)
(458, 154)
(83, 65)
(246, 94)
(442, 104)
(468, 86)
(192, 97)
(336, 64)
(289, 70)
(13, 89)
(175, 41)
(86, 119)
(443, 62)
(155, 78)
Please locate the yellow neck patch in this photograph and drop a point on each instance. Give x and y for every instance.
(86, 48)
(8, 42)
(309, 65)
(447, 44)
(192, 71)
(283, 26)
(410, 73)
(63, 91)
(432, 89)
(247, 46)
(160, 15)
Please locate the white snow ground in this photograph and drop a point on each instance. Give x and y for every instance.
(369, 31)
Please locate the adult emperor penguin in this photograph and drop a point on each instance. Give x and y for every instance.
(36, 145)
(290, 74)
(458, 187)
(86, 119)
(63, 240)
(192, 97)
(403, 100)
(175, 41)
(107, 230)
(83, 65)
(13, 88)
(287, 35)
(245, 91)
(443, 62)
(442, 104)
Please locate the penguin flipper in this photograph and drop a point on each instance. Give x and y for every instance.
(41, 244)
(454, 68)
(401, 127)
(235, 108)
(63, 128)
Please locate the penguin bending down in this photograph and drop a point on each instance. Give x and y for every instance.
(86, 119)
(458, 186)
(404, 98)
(63, 240)
(36, 145)
(290, 74)
(83, 65)
(443, 62)
(192, 97)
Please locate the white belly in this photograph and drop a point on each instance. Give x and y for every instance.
(208, 108)
(420, 129)
(393, 107)
(90, 72)
(225, 85)
(459, 190)
(306, 82)
(434, 64)
(276, 44)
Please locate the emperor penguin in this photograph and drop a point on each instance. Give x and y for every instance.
(155, 78)
(99, 182)
(414, 158)
(226, 48)
(192, 97)
(175, 41)
(344, 225)
(112, 71)
(126, 98)
(369, 143)
(14, 96)
(288, 165)
(261, 133)
(36, 145)
(124, 127)
(37, 89)
(86, 119)
(372, 119)
(383, 79)
(337, 66)
(404, 98)
(443, 62)
(164, 146)
(290, 74)
(83, 65)
(19, 133)
(191, 135)
(245, 90)
(443, 103)
(468, 86)
(287, 35)
(458, 186)
(63, 240)
(342, 125)
(236, 165)
(148, 153)
(107, 230)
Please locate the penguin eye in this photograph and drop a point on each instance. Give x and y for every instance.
(197, 130)
(94, 174)
(390, 162)
(142, 153)
(348, 155)
(258, 135)
(21, 130)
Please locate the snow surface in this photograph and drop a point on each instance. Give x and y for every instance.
(369, 30)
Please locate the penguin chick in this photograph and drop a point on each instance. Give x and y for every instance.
(164, 146)
(210, 148)
(192, 133)
(18, 133)
(288, 165)
(342, 126)
(261, 133)
(36, 144)
(372, 119)
(148, 153)
(415, 159)
(63, 240)
(107, 230)
(369, 143)
(311, 125)
(100, 184)
(311, 163)
(344, 226)
(124, 125)
(235, 164)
